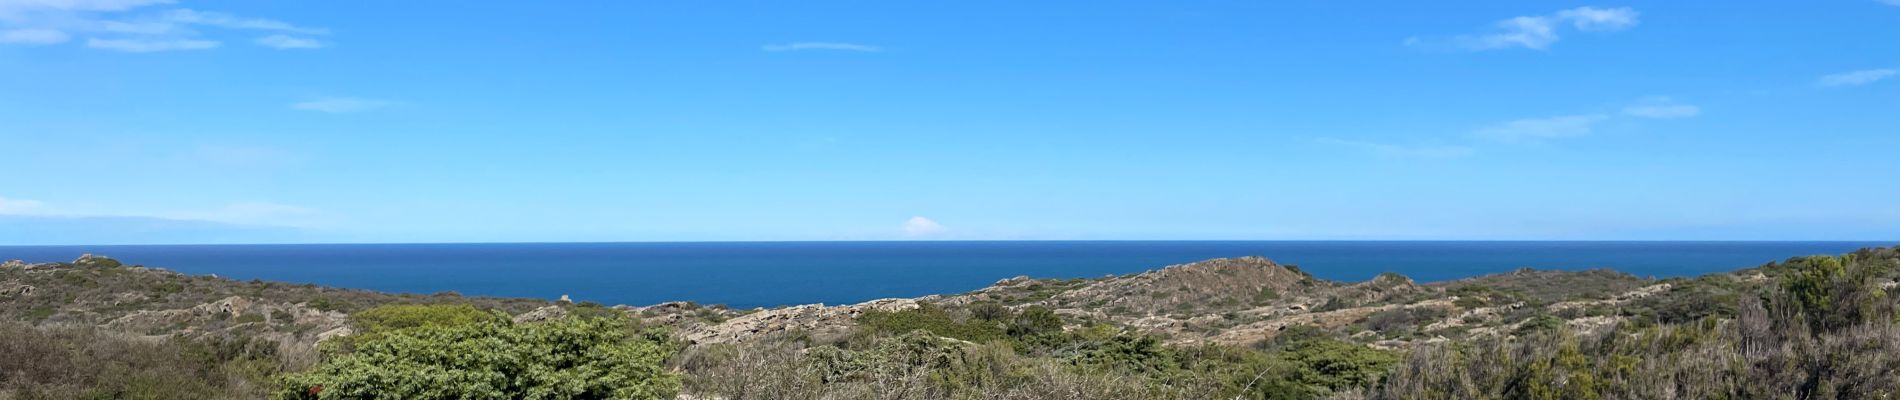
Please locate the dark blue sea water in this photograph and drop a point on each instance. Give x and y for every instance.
(779, 273)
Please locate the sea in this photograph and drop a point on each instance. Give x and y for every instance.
(765, 274)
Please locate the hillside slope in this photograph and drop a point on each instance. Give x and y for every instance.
(1161, 330)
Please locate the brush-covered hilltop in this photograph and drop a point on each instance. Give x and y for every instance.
(1249, 328)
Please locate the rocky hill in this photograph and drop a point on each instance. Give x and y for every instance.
(1234, 301)
(154, 303)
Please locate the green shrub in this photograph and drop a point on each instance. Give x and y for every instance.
(1335, 365)
(329, 304)
(989, 311)
(1541, 323)
(569, 358)
(69, 362)
(40, 313)
(933, 319)
(1265, 295)
(1035, 320)
(402, 316)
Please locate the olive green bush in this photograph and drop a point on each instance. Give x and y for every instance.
(569, 358)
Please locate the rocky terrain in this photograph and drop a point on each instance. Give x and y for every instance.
(155, 304)
(1234, 303)
(1228, 301)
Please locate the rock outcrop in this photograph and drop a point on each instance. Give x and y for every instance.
(814, 318)
(541, 314)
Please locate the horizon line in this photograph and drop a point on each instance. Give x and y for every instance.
(1895, 242)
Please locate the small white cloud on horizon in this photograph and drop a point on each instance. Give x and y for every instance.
(1661, 108)
(288, 42)
(150, 45)
(1857, 78)
(337, 105)
(920, 226)
(1531, 129)
(1536, 32)
(1388, 149)
(33, 36)
(822, 46)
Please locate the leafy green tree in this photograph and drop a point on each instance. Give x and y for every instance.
(570, 358)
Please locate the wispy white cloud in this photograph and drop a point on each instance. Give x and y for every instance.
(1857, 78)
(239, 213)
(33, 36)
(19, 6)
(822, 46)
(150, 45)
(1395, 150)
(1526, 32)
(1600, 19)
(1890, 2)
(22, 207)
(1532, 129)
(1537, 32)
(920, 227)
(127, 25)
(289, 42)
(251, 213)
(1661, 108)
(222, 20)
(341, 104)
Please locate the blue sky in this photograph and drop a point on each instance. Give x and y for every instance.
(144, 121)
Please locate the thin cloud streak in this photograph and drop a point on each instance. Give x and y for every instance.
(821, 46)
(1394, 150)
(125, 25)
(1857, 78)
(1532, 129)
(1661, 108)
(149, 45)
(1536, 32)
(288, 42)
(337, 105)
(34, 36)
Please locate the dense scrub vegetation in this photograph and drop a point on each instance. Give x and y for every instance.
(451, 352)
(1826, 331)
(73, 362)
(1808, 328)
(983, 351)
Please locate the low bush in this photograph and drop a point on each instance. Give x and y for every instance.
(569, 358)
